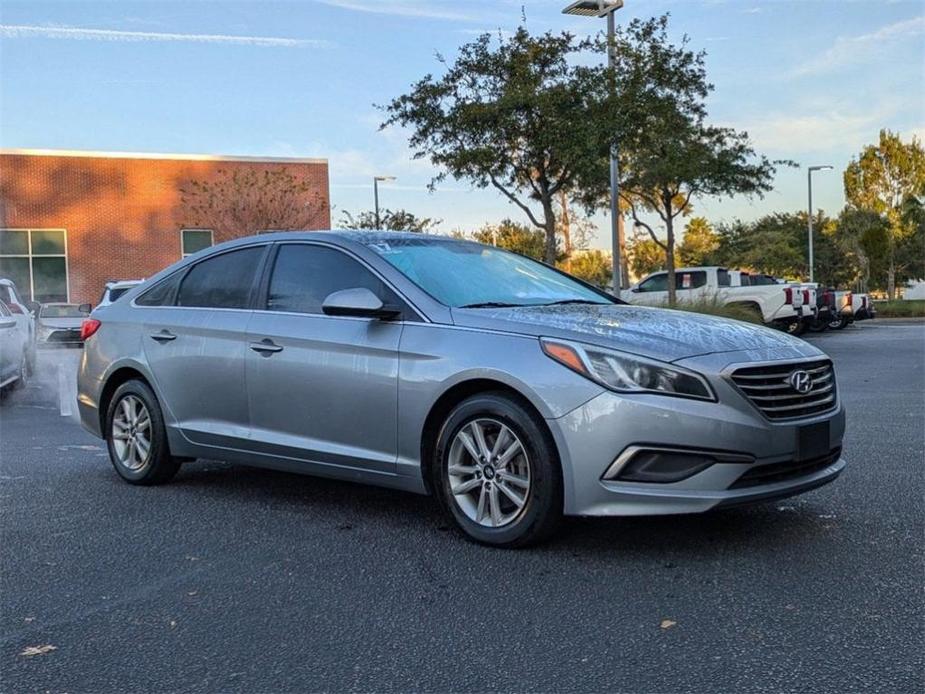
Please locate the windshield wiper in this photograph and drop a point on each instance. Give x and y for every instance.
(492, 304)
(563, 302)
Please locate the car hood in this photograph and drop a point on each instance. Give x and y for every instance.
(60, 323)
(658, 333)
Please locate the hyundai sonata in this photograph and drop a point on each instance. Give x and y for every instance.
(511, 391)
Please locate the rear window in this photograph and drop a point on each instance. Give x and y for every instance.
(114, 294)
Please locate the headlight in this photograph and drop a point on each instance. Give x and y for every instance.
(626, 373)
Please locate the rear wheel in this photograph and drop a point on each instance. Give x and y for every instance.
(136, 436)
(819, 325)
(796, 327)
(498, 473)
(838, 323)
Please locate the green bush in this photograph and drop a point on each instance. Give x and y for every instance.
(713, 307)
(900, 309)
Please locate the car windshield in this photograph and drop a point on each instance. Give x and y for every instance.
(463, 274)
(69, 311)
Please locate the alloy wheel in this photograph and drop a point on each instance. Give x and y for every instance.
(489, 473)
(131, 433)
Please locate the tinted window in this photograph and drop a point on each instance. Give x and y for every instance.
(4, 311)
(114, 294)
(305, 275)
(689, 280)
(722, 278)
(222, 281)
(658, 283)
(162, 293)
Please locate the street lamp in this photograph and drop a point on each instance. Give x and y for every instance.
(809, 217)
(607, 8)
(376, 180)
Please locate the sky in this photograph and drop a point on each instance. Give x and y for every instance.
(809, 80)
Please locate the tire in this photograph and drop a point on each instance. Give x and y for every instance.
(838, 323)
(24, 372)
(487, 513)
(797, 327)
(124, 418)
(819, 325)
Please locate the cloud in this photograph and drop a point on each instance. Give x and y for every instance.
(422, 9)
(19, 31)
(793, 134)
(849, 50)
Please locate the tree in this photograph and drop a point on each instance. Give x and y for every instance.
(520, 115)
(513, 236)
(861, 237)
(645, 255)
(593, 266)
(672, 155)
(882, 179)
(393, 220)
(775, 244)
(700, 243)
(251, 200)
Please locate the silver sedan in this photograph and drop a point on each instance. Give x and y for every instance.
(512, 392)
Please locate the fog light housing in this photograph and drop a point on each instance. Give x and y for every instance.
(666, 465)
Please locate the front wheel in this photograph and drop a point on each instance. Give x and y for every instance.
(838, 323)
(819, 325)
(136, 436)
(498, 472)
(796, 327)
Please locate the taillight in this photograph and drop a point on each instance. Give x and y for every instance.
(788, 293)
(806, 296)
(89, 327)
(16, 309)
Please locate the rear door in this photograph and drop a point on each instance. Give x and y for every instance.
(194, 342)
(323, 388)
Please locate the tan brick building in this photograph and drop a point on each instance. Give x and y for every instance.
(70, 221)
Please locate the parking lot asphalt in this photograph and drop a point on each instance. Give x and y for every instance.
(237, 579)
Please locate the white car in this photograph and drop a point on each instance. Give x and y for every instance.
(23, 313)
(116, 288)
(779, 304)
(14, 350)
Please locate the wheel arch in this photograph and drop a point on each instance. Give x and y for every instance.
(457, 393)
(120, 375)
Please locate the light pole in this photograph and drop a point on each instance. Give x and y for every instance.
(376, 180)
(809, 217)
(607, 8)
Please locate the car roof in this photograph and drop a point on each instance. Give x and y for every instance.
(362, 236)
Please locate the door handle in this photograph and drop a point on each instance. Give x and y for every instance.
(163, 336)
(266, 347)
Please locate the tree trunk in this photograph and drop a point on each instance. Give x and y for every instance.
(891, 271)
(669, 250)
(550, 221)
(624, 260)
(566, 230)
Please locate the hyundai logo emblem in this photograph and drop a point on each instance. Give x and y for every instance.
(800, 381)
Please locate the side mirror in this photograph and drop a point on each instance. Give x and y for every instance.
(635, 290)
(33, 307)
(359, 303)
(85, 308)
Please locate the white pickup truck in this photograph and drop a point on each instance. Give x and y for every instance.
(779, 305)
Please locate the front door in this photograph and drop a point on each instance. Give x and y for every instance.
(322, 388)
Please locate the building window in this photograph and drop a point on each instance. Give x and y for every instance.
(36, 261)
(194, 240)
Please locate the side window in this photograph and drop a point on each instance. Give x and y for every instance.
(657, 283)
(221, 281)
(161, 294)
(723, 279)
(304, 275)
(690, 280)
(4, 311)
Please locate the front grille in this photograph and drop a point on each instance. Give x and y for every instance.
(768, 387)
(781, 472)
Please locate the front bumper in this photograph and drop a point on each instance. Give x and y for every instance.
(593, 436)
